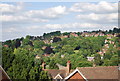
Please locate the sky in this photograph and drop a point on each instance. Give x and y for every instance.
(19, 19)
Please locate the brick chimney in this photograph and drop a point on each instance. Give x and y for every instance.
(94, 65)
(43, 65)
(68, 66)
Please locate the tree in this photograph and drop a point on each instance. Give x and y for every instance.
(48, 50)
(7, 58)
(25, 42)
(8, 42)
(38, 44)
(32, 74)
(116, 30)
(84, 64)
(28, 37)
(67, 48)
(107, 62)
(44, 76)
(97, 59)
(52, 64)
(66, 33)
(107, 55)
(18, 43)
(56, 39)
(114, 60)
(77, 48)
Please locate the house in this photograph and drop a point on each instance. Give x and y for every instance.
(109, 37)
(46, 41)
(106, 41)
(44, 47)
(37, 57)
(62, 56)
(100, 52)
(101, 34)
(90, 58)
(96, 35)
(99, 73)
(60, 73)
(115, 35)
(85, 34)
(3, 75)
(46, 55)
(106, 45)
(92, 34)
(74, 34)
(65, 36)
(112, 42)
(104, 50)
(6, 46)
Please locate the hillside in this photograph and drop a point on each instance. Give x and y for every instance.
(83, 49)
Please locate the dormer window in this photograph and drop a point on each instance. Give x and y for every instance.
(58, 78)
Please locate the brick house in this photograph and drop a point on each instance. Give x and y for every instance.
(73, 34)
(75, 75)
(3, 75)
(100, 73)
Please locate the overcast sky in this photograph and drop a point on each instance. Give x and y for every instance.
(35, 18)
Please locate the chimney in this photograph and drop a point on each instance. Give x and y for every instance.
(68, 66)
(43, 65)
(94, 65)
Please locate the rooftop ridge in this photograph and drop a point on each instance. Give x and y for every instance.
(53, 69)
(97, 67)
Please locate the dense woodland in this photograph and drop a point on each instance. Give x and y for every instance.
(19, 55)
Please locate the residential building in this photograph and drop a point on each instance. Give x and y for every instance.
(3, 75)
(99, 73)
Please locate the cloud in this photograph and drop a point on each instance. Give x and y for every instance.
(20, 19)
(100, 13)
(49, 13)
(10, 30)
(9, 8)
(101, 7)
(16, 14)
(99, 18)
(71, 26)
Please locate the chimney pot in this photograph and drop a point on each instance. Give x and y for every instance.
(94, 65)
(68, 61)
(43, 65)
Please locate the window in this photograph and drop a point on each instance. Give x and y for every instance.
(58, 79)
